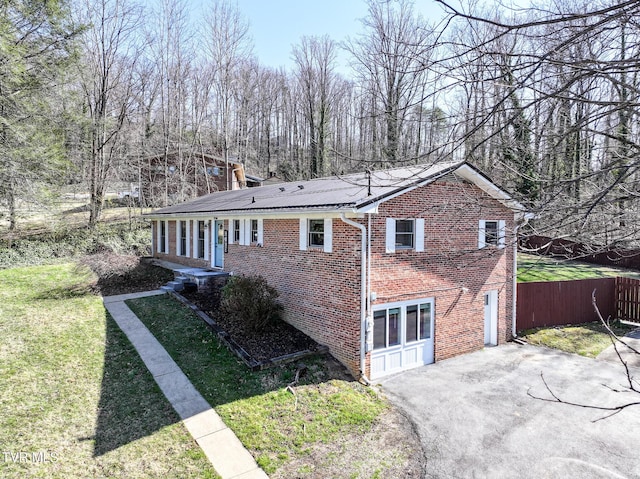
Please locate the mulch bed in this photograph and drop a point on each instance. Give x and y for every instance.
(280, 340)
(122, 274)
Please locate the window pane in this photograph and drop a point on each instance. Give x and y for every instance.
(379, 329)
(220, 239)
(412, 324)
(316, 232)
(425, 321)
(394, 326)
(404, 233)
(183, 238)
(491, 232)
(404, 226)
(200, 239)
(254, 231)
(236, 231)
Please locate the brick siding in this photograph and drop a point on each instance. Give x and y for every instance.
(321, 291)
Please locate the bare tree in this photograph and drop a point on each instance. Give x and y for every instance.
(227, 43)
(109, 54)
(315, 60)
(391, 60)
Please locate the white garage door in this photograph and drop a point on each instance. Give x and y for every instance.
(402, 336)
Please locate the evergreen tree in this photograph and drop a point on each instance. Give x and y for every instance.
(36, 41)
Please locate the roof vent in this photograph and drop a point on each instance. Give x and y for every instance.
(282, 188)
(253, 199)
(301, 187)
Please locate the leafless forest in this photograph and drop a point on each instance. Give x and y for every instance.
(543, 99)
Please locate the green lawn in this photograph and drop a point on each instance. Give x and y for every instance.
(75, 399)
(542, 268)
(326, 427)
(588, 339)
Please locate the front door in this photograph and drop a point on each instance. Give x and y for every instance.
(491, 318)
(218, 244)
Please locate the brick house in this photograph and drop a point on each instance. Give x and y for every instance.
(391, 269)
(166, 178)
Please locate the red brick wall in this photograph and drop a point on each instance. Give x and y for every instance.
(451, 261)
(321, 291)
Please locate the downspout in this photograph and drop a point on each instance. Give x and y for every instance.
(514, 294)
(364, 299)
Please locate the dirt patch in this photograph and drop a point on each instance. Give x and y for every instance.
(122, 274)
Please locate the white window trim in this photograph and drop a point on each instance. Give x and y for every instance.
(165, 247)
(194, 239)
(328, 235)
(402, 305)
(232, 230)
(207, 239)
(260, 231)
(157, 237)
(179, 251)
(418, 235)
(482, 238)
(303, 234)
(241, 240)
(188, 241)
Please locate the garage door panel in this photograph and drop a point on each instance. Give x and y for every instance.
(402, 319)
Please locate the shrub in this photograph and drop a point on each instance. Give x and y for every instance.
(252, 300)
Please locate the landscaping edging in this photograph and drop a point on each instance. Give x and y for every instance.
(238, 350)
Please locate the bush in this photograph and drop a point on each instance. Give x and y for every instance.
(67, 243)
(251, 300)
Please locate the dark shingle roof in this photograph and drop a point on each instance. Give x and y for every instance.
(345, 193)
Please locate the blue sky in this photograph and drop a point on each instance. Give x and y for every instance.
(277, 24)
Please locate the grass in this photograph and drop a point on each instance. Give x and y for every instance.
(316, 429)
(588, 339)
(75, 399)
(541, 268)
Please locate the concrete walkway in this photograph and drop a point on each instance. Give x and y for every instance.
(631, 358)
(221, 446)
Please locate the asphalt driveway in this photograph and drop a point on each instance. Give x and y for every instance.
(475, 419)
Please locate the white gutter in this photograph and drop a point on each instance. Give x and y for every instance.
(526, 218)
(364, 300)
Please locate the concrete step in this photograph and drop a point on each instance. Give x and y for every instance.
(176, 285)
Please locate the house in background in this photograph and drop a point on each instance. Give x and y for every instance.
(391, 270)
(176, 177)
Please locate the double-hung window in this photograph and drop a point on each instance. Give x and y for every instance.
(491, 233)
(236, 231)
(254, 231)
(184, 231)
(316, 234)
(201, 239)
(162, 237)
(404, 234)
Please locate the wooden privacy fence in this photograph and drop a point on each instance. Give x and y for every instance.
(566, 302)
(628, 299)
